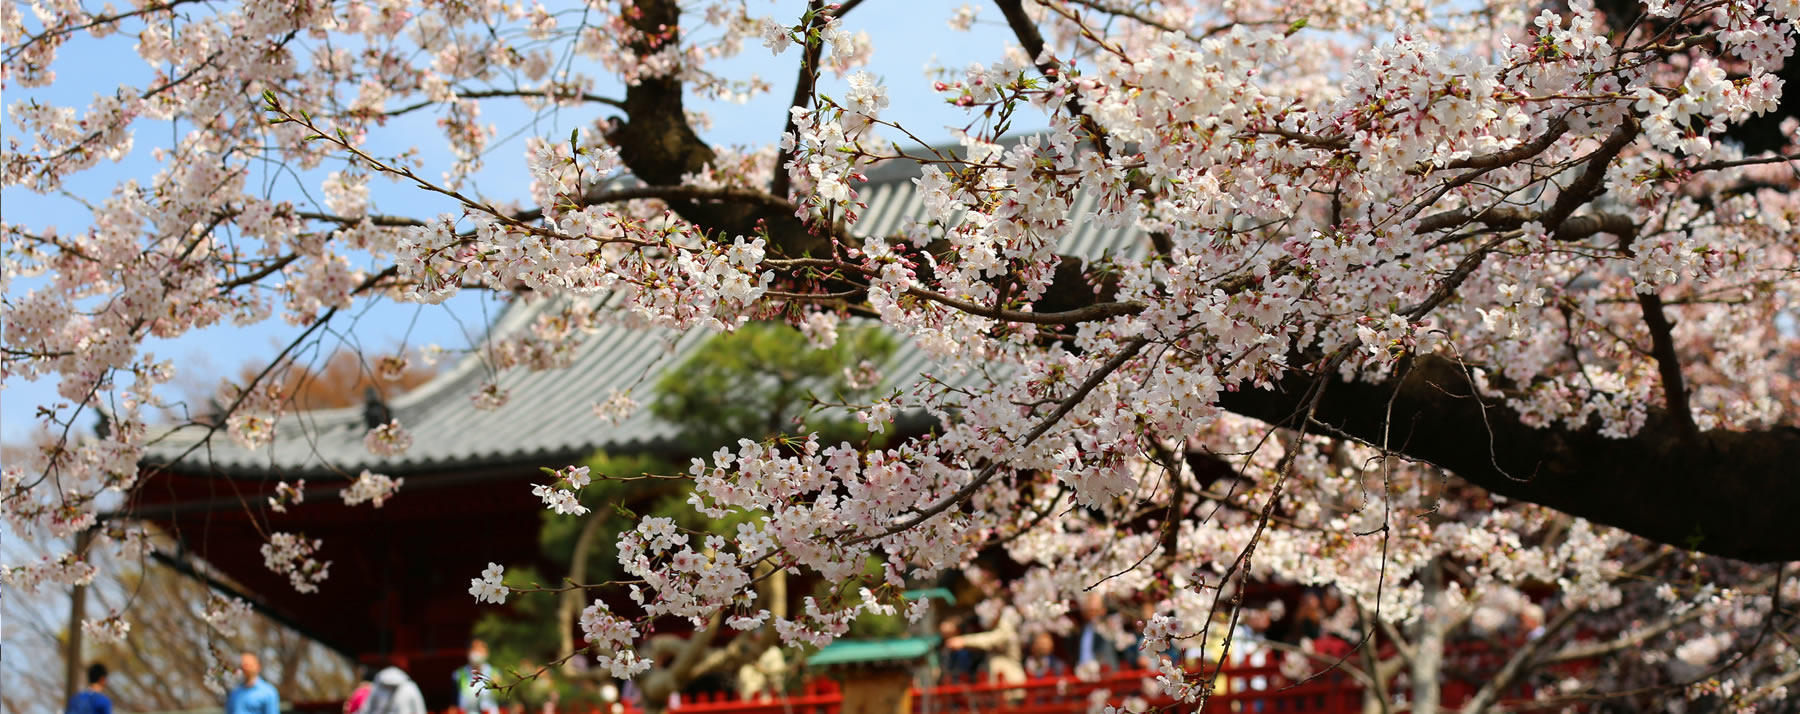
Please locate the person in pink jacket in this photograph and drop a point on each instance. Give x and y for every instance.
(360, 695)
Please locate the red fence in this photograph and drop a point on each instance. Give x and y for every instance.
(1255, 686)
(1242, 689)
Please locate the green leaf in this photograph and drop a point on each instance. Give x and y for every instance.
(623, 511)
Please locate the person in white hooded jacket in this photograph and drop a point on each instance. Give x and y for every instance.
(394, 693)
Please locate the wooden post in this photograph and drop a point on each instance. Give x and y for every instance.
(72, 665)
(878, 691)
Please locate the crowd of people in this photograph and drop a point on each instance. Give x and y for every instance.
(388, 689)
(1282, 628)
(984, 644)
(1108, 635)
(383, 689)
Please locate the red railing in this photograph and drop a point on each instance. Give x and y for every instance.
(1242, 689)
(1254, 686)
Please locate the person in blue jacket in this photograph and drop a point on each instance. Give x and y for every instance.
(92, 700)
(253, 695)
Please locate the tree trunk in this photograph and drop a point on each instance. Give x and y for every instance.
(1428, 648)
(77, 612)
(570, 600)
(290, 661)
(1375, 696)
(681, 662)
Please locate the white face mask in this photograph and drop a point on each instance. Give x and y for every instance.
(477, 657)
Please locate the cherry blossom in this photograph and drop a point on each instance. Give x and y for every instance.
(1337, 227)
(388, 439)
(372, 488)
(488, 587)
(292, 555)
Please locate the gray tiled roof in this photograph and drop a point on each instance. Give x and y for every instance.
(549, 418)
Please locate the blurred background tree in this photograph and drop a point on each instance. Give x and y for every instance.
(342, 380)
(164, 662)
(766, 378)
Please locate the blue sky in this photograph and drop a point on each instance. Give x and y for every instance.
(907, 38)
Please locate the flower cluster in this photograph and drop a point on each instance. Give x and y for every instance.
(488, 587)
(564, 494)
(490, 397)
(371, 488)
(388, 439)
(111, 629)
(286, 495)
(615, 637)
(292, 555)
(227, 616)
(617, 408)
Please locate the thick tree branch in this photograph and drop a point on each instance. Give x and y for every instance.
(660, 147)
(1508, 157)
(1593, 177)
(1729, 493)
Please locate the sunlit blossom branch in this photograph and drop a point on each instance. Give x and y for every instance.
(1032, 42)
(806, 80)
(552, 92)
(1096, 311)
(94, 21)
(1130, 350)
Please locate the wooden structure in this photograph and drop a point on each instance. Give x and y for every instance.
(876, 676)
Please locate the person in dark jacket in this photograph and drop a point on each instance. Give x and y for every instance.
(1095, 643)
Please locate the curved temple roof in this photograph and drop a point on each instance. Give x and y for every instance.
(549, 418)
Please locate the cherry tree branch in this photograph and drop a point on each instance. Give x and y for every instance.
(551, 93)
(1096, 311)
(987, 472)
(1668, 364)
(1644, 483)
(1032, 42)
(94, 21)
(805, 82)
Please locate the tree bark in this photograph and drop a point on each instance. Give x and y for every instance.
(1428, 647)
(72, 665)
(682, 662)
(569, 603)
(1727, 493)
